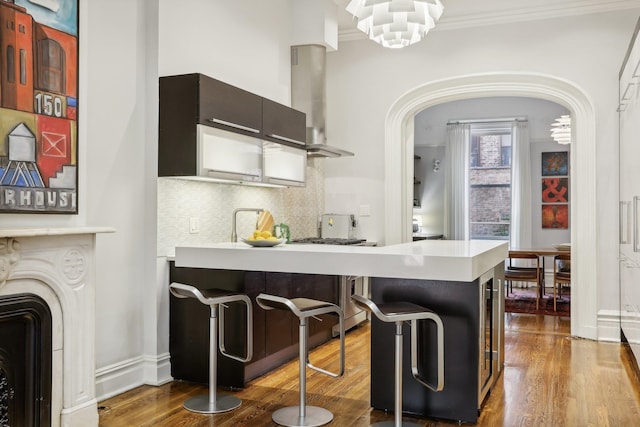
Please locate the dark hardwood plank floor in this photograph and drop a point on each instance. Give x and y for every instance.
(550, 379)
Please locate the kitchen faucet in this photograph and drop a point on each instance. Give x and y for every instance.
(234, 232)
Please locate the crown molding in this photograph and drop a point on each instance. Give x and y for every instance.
(516, 14)
(533, 13)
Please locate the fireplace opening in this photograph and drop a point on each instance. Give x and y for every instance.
(25, 361)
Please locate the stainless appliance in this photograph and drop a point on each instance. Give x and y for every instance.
(308, 94)
(353, 315)
(340, 226)
(339, 229)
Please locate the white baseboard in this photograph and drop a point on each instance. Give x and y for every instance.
(128, 374)
(609, 325)
(157, 369)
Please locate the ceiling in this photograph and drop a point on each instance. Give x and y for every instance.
(473, 13)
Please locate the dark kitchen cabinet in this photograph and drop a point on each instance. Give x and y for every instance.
(228, 107)
(275, 332)
(191, 99)
(283, 124)
(472, 314)
(290, 285)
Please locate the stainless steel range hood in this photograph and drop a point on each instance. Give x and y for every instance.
(308, 94)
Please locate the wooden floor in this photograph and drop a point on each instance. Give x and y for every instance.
(550, 379)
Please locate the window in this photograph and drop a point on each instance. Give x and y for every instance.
(11, 64)
(490, 181)
(23, 67)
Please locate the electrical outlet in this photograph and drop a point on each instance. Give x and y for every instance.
(194, 225)
(365, 210)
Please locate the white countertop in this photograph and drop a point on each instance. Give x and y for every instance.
(426, 259)
(52, 231)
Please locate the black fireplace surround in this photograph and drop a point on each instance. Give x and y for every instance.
(25, 361)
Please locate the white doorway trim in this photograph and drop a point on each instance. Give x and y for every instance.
(399, 167)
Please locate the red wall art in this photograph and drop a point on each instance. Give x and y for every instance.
(555, 216)
(555, 190)
(38, 106)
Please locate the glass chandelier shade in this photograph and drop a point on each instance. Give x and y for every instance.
(396, 23)
(561, 130)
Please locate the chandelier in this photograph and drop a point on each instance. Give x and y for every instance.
(561, 130)
(396, 23)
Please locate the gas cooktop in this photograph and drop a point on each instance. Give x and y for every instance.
(329, 241)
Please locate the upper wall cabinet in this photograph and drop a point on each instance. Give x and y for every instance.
(194, 99)
(283, 124)
(228, 107)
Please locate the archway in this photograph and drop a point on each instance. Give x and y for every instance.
(399, 160)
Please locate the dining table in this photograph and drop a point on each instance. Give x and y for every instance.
(542, 252)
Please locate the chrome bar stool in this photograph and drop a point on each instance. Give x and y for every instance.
(399, 312)
(303, 415)
(214, 403)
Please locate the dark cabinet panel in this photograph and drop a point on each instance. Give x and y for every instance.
(189, 326)
(228, 107)
(280, 333)
(178, 115)
(275, 332)
(457, 304)
(283, 124)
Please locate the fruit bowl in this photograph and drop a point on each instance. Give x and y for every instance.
(262, 243)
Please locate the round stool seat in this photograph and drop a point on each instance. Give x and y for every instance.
(400, 311)
(205, 296)
(299, 306)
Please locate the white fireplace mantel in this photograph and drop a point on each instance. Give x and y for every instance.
(57, 264)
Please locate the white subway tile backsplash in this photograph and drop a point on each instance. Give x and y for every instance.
(213, 203)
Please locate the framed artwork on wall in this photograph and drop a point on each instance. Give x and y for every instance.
(555, 190)
(39, 106)
(555, 216)
(555, 163)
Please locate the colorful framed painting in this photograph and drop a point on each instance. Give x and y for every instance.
(555, 163)
(555, 190)
(555, 216)
(38, 106)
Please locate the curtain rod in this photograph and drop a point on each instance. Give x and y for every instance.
(478, 121)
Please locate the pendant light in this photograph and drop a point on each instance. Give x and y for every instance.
(396, 23)
(561, 130)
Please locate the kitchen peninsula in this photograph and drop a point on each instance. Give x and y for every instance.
(459, 280)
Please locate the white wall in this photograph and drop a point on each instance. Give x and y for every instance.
(585, 50)
(242, 42)
(430, 124)
(120, 185)
(116, 173)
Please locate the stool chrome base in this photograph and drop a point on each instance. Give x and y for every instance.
(393, 424)
(290, 417)
(201, 404)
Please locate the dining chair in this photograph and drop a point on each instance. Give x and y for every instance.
(561, 274)
(514, 273)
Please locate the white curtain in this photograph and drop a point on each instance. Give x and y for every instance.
(520, 236)
(456, 217)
